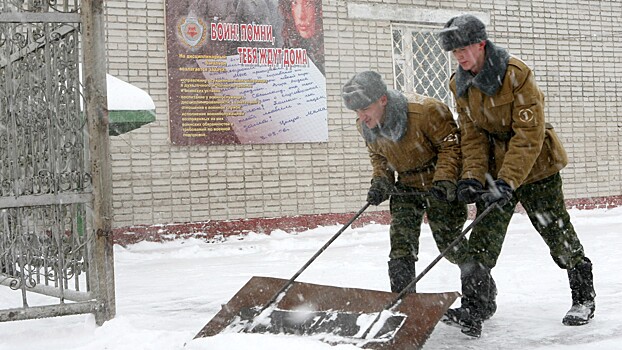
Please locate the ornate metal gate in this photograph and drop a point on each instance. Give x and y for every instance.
(55, 230)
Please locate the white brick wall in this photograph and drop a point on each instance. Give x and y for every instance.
(573, 47)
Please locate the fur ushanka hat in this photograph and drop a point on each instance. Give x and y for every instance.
(363, 89)
(462, 31)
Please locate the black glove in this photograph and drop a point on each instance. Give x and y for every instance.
(500, 193)
(444, 190)
(379, 191)
(469, 190)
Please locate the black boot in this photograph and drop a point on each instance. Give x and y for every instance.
(583, 294)
(479, 293)
(401, 273)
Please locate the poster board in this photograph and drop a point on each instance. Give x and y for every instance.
(245, 72)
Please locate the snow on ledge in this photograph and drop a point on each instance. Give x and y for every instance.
(123, 96)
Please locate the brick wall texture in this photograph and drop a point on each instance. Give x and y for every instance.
(574, 48)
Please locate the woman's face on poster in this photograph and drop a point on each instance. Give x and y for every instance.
(304, 14)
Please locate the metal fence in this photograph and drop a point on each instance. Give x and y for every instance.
(55, 257)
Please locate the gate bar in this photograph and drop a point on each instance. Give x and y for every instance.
(67, 294)
(44, 199)
(39, 17)
(48, 311)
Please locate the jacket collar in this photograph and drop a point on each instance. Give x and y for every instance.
(395, 120)
(490, 79)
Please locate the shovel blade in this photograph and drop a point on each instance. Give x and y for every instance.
(329, 324)
(332, 314)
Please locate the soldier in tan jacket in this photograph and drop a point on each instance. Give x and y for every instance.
(509, 150)
(417, 139)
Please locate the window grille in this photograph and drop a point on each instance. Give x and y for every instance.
(420, 64)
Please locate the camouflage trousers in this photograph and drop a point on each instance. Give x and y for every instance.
(445, 220)
(544, 203)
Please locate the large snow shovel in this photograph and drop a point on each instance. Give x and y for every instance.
(366, 318)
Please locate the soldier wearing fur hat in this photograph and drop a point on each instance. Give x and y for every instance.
(417, 139)
(510, 150)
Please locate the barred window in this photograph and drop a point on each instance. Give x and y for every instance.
(420, 64)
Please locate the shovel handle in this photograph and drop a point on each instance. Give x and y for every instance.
(320, 251)
(451, 245)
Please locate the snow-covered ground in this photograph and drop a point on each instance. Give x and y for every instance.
(166, 292)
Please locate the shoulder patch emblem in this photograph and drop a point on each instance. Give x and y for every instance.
(525, 115)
